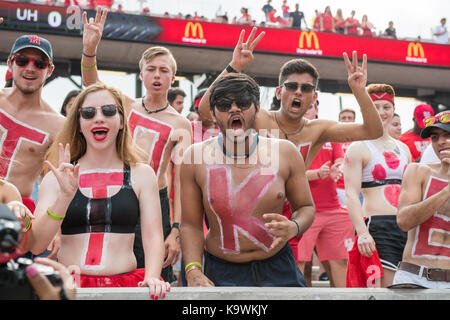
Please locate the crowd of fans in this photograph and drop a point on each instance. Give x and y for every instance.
(286, 17)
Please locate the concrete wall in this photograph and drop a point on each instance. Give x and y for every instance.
(247, 293)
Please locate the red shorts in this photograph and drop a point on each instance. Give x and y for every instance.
(120, 280)
(332, 235)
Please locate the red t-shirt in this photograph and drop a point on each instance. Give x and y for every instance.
(415, 144)
(352, 30)
(324, 190)
(327, 22)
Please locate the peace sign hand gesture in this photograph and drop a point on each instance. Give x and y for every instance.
(357, 75)
(243, 52)
(66, 174)
(93, 30)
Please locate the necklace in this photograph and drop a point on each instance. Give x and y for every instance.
(246, 155)
(289, 134)
(153, 111)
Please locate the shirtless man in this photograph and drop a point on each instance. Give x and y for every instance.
(424, 212)
(156, 127)
(243, 196)
(28, 125)
(298, 81)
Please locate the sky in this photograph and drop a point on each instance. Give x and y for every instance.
(411, 18)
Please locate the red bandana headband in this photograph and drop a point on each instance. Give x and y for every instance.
(382, 96)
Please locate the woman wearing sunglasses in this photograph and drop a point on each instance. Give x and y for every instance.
(95, 193)
(375, 168)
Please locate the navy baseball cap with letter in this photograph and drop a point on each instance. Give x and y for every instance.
(33, 41)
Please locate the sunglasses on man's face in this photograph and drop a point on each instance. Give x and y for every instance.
(224, 105)
(23, 61)
(442, 118)
(90, 112)
(293, 86)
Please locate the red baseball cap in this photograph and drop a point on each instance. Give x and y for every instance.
(421, 112)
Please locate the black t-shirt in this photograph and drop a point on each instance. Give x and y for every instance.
(297, 17)
(267, 8)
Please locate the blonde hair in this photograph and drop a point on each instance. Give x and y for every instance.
(70, 132)
(153, 52)
(381, 88)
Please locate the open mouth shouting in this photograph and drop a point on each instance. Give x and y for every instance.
(236, 125)
(296, 105)
(100, 133)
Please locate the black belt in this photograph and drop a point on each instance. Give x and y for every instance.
(432, 274)
(377, 183)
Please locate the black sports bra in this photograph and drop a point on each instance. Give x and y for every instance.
(117, 214)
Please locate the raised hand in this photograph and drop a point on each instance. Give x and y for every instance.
(1, 20)
(93, 30)
(243, 52)
(357, 75)
(66, 174)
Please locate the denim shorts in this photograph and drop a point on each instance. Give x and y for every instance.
(280, 270)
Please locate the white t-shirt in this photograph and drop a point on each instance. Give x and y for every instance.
(429, 156)
(443, 38)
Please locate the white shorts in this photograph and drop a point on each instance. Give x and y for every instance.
(405, 277)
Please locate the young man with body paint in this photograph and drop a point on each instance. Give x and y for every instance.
(156, 127)
(28, 125)
(424, 212)
(241, 180)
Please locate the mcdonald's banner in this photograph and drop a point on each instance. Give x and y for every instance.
(303, 43)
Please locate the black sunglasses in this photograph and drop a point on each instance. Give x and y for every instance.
(224, 104)
(293, 86)
(23, 61)
(90, 112)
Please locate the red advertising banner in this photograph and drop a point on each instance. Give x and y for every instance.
(304, 43)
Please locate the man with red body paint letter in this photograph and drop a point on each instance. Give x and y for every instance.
(424, 212)
(28, 124)
(241, 181)
(157, 128)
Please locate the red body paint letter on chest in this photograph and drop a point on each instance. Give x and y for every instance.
(162, 133)
(14, 132)
(234, 206)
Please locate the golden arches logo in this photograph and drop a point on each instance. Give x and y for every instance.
(416, 53)
(415, 49)
(309, 37)
(192, 28)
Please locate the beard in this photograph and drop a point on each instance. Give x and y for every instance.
(27, 90)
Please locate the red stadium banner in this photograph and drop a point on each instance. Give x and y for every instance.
(303, 43)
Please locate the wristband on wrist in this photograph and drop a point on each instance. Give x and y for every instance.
(230, 69)
(53, 216)
(88, 68)
(84, 54)
(29, 224)
(298, 228)
(318, 174)
(194, 264)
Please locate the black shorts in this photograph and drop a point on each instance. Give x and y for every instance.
(280, 270)
(167, 272)
(389, 239)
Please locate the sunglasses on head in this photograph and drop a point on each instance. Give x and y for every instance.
(90, 112)
(224, 105)
(293, 86)
(23, 61)
(442, 118)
